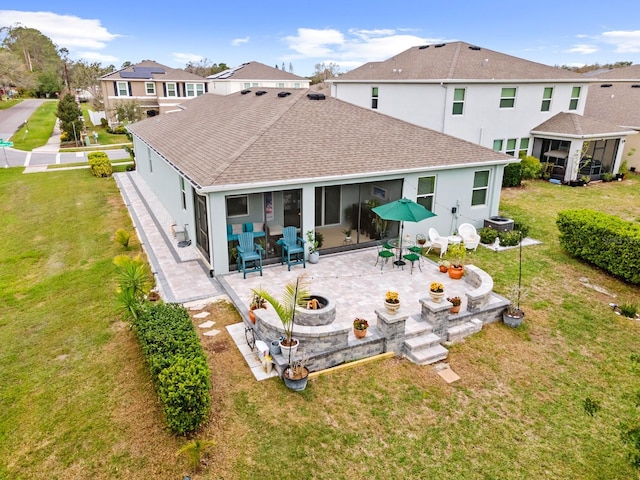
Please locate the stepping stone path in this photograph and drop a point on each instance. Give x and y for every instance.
(211, 333)
(207, 324)
(201, 315)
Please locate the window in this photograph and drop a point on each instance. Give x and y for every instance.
(183, 193)
(575, 96)
(296, 84)
(374, 97)
(150, 88)
(426, 190)
(508, 98)
(246, 84)
(281, 85)
(255, 84)
(546, 99)
(524, 147)
(497, 145)
(122, 89)
(511, 146)
(480, 188)
(237, 206)
(458, 101)
(194, 89)
(172, 90)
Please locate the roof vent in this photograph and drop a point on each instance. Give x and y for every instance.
(635, 86)
(439, 45)
(315, 96)
(422, 47)
(474, 47)
(284, 94)
(245, 91)
(605, 85)
(260, 92)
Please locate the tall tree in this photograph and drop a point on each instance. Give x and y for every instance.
(70, 116)
(205, 67)
(13, 73)
(39, 54)
(324, 71)
(127, 111)
(86, 76)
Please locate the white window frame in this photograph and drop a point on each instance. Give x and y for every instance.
(524, 147)
(480, 188)
(172, 86)
(247, 84)
(546, 100)
(458, 102)
(194, 89)
(575, 98)
(498, 144)
(183, 193)
(123, 86)
(375, 95)
(152, 90)
(281, 85)
(255, 84)
(511, 146)
(296, 85)
(246, 205)
(430, 195)
(506, 100)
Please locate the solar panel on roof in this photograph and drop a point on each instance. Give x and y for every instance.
(142, 72)
(227, 73)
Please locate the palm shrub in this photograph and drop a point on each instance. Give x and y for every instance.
(122, 237)
(193, 451)
(133, 282)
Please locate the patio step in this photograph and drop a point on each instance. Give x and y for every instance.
(416, 326)
(422, 341)
(459, 332)
(427, 356)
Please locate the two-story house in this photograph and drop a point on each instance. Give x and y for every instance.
(156, 88)
(253, 75)
(496, 100)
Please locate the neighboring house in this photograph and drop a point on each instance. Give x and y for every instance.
(157, 88)
(253, 75)
(616, 99)
(483, 96)
(264, 159)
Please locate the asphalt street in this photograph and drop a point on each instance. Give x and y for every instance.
(13, 118)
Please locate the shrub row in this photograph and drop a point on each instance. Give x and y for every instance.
(177, 363)
(100, 164)
(512, 175)
(604, 240)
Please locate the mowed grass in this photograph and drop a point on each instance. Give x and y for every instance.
(38, 129)
(77, 401)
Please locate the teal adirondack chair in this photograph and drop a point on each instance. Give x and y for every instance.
(292, 247)
(249, 254)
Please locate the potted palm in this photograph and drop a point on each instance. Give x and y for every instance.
(295, 294)
(314, 244)
(456, 254)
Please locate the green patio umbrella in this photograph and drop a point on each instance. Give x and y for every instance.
(402, 210)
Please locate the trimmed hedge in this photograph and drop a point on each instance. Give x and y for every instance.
(512, 175)
(177, 363)
(604, 240)
(100, 164)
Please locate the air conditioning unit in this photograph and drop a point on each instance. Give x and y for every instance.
(499, 223)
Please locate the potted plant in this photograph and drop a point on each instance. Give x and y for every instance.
(360, 326)
(295, 294)
(314, 245)
(456, 254)
(392, 302)
(296, 375)
(455, 301)
(513, 315)
(347, 235)
(444, 265)
(257, 301)
(436, 291)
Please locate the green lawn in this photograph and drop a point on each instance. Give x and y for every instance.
(9, 103)
(77, 402)
(39, 127)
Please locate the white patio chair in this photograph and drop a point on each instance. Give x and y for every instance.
(469, 236)
(436, 241)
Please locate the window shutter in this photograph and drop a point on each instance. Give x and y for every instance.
(164, 89)
(115, 88)
(129, 87)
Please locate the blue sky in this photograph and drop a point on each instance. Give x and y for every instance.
(348, 33)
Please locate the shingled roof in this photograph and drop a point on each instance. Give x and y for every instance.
(254, 71)
(616, 102)
(456, 61)
(152, 71)
(631, 72)
(224, 140)
(572, 124)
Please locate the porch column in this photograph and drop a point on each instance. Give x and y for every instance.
(308, 210)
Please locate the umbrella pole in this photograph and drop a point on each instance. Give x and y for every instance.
(399, 262)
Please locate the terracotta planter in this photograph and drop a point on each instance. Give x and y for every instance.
(444, 269)
(436, 297)
(455, 309)
(360, 333)
(252, 316)
(456, 272)
(392, 307)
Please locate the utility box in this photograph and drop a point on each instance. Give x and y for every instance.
(500, 224)
(180, 233)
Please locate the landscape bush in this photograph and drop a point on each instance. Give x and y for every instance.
(512, 175)
(488, 235)
(603, 240)
(177, 363)
(100, 164)
(531, 168)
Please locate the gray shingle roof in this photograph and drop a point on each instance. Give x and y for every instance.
(631, 72)
(171, 74)
(577, 125)
(254, 71)
(619, 103)
(223, 140)
(456, 61)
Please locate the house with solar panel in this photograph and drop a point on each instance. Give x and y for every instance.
(505, 103)
(253, 75)
(156, 88)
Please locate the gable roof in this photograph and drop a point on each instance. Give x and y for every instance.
(631, 72)
(618, 103)
(457, 61)
(254, 71)
(150, 70)
(574, 125)
(224, 140)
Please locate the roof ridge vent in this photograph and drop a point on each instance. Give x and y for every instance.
(474, 47)
(284, 94)
(439, 45)
(315, 96)
(606, 85)
(245, 91)
(422, 47)
(260, 92)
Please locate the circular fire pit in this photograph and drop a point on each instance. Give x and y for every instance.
(325, 314)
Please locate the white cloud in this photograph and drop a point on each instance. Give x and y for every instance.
(186, 57)
(625, 41)
(239, 41)
(97, 57)
(314, 43)
(66, 31)
(583, 48)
